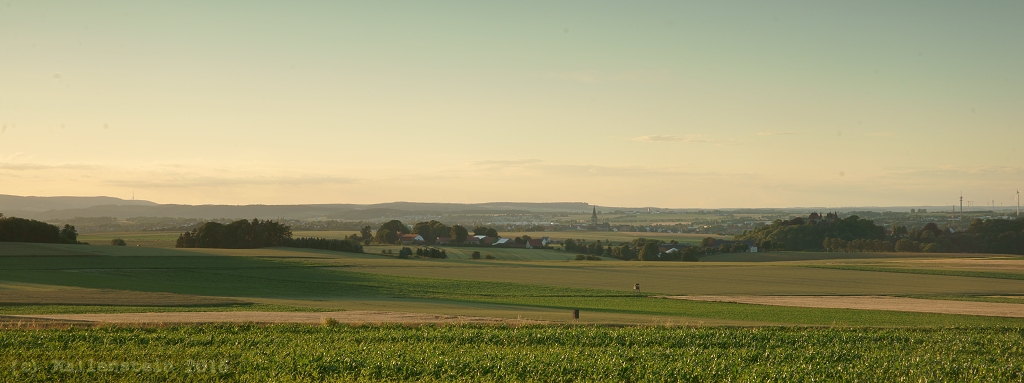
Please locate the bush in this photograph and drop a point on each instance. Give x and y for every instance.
(932, 248)
(405, 253)
(907, 246)
(593, 258)
(488, 256)
(580, 257)
(476, 255)
(117, 242)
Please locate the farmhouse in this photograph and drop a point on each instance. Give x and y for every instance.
(669, 247)
(409, 239)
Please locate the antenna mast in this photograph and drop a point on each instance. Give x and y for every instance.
(961, 207)
(1018, 203)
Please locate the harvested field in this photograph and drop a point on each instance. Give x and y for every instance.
(350, 317)
(884, 303)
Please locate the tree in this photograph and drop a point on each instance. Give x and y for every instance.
(649, 252)
(707, 242)
(480, 230)
(899, 231)
(475, 255)
(459, 234)
(68, 234)
(491, 232)
(366, 233)
(405, 253)
(395, 226)
(425, 230)
(907, 246)
(117, 242)
(386, 236)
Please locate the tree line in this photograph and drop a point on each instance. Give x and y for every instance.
(13, 229)
(853, 234)
(390, 231)
(343, 245)
(245, 234)
(241, 234)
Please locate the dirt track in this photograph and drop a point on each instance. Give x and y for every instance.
(351, 317)
(873, 303)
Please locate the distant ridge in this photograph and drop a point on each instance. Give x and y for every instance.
(57, 208)
(20, 203)
(54, 208)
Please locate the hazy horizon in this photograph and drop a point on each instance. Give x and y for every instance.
(655, 104)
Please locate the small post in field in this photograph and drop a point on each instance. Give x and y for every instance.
(576, 314)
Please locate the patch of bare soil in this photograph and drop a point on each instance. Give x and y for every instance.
(873, 303)
(350, 317)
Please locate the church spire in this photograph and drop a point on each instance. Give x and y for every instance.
(593, 218)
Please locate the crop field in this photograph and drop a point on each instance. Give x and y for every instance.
(165, 239)
(52, 297)
(291, 353)
(153, 279)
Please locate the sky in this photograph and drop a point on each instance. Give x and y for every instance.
(671, 104)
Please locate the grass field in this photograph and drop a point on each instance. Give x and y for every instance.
(297, 279)
(513, 354)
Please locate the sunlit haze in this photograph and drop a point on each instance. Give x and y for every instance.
(673, 104)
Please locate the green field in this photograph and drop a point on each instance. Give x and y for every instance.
(746, 342)
(302, 279)
(508, 354)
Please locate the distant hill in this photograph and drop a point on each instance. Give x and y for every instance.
(55, 208)
(34, 204)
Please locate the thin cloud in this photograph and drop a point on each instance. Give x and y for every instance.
(521, 162)
(190, 182)
(776, 133)
(20, 166)
(671, 138)
(882, 134)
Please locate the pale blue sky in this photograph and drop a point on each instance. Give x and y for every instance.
(726, 104)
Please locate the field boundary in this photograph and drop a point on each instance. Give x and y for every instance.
(950, 273)
(871, 302)
(348, 317)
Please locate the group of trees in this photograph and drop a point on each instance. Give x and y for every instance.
(996, 236)
(13, 229)
(429, 252)
(433, 229)
(241, 234)
(642, 249)
(852, 234)
(802, 234)
(390, 232)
